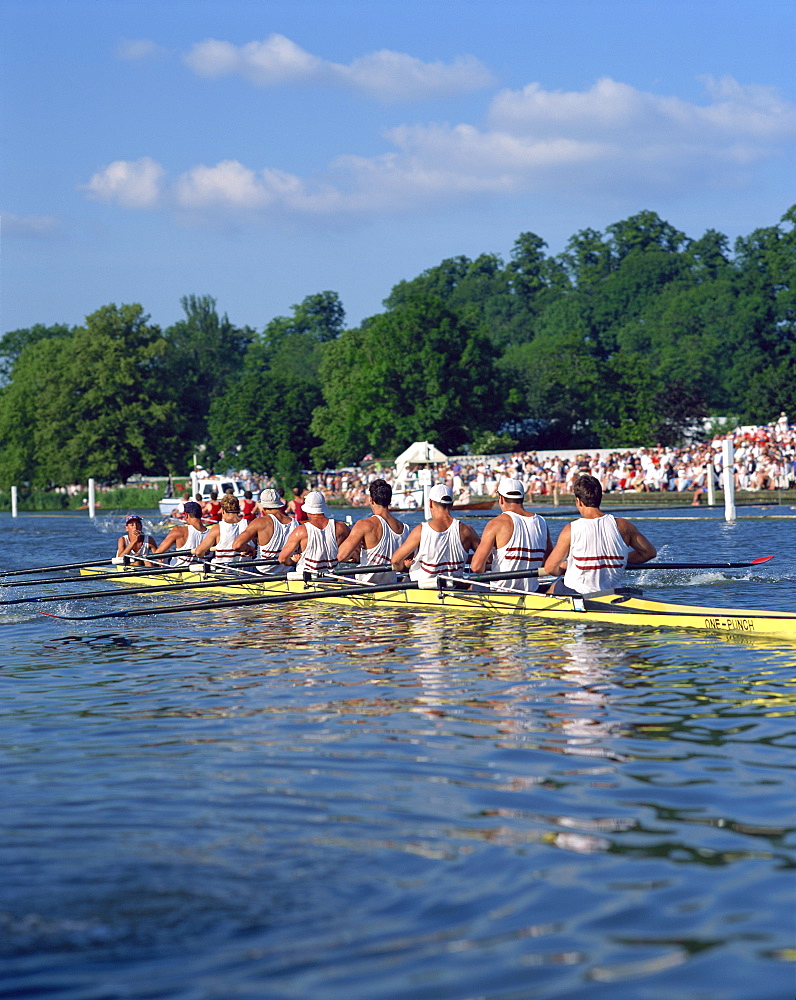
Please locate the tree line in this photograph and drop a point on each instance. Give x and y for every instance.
(630, 336)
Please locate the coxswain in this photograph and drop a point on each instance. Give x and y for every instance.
(223, 534)
(312, 546)
(374, 539)
(187, 535)
(591, 553)
(270, 531)
(135, 541)
(517, 539)
(211, 509)
(439, 546)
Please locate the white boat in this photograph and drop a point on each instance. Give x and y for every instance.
(205, 486)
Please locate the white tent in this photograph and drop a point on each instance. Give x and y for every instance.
(420, 453)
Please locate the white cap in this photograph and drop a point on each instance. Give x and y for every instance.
(315, 503)
(511, 489)
(440, 494)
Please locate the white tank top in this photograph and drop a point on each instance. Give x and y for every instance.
(381, 553)
(321, 551)
(272, 548)
(439, 552)
(194, 537)
(524, 550)
(597, 555)
(227, 533)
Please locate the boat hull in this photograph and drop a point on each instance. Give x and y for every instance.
(612, 608)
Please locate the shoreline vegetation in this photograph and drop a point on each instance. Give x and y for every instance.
(140, 498)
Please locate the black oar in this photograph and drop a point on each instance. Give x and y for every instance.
(163, 588)
(93, 562)
(360, 590)
(125, 575)
(714, 565)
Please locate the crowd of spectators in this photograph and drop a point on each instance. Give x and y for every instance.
(764, 459)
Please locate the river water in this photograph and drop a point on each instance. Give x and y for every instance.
(294, 803)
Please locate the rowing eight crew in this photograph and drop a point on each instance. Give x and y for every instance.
(590, 555)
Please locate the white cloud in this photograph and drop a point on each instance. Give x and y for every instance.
(386, 75)
(610, 139)
(138, 50)
(29, 226)
(130, 183)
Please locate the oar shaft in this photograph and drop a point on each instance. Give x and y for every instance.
(84, 565)
(712, 565)
(242, 602)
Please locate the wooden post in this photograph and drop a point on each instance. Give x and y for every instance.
(91, 498)
(13, 501)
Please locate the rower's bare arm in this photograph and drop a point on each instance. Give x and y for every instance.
(243, 539)
(469, 538)
(293, 545)
(643, 549)
(349, 549)
(556, 562)
(341, 531)
(483, 554)
(405, 553)
(169, 540)
(208, 541)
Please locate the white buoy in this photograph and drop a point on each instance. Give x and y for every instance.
(728, 472)
(91, 498)
(13, 501)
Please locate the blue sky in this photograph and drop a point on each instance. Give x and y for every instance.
(263, 151)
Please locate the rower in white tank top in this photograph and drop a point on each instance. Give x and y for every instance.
(320, 553)
(526, 549)
(195, 536)
(273, 547)
(597, 555)
(227, 533)
(439, 552)
(381, 553)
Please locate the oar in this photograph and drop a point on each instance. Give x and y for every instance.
(674, 565)
(87, 596)
(92, 562)
(359, 590)
(157, 571)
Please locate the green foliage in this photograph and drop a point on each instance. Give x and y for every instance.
(413, 373)
(490, 443)
(268, 406)
(628, 336)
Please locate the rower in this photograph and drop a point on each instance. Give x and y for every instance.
(517, 539)
(211, 509)
(187, 535)
(312, 546)
(296, 505)
(270, 531)
(249, 507)
(135, 542)
(439, 546)
(223, 534)
(592, 552)
(374, 539)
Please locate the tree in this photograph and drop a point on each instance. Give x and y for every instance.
(15, 341)
(415, 372)
(267, 407)
(93, 404)
(205, 354)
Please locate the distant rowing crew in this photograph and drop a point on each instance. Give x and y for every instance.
(591, 553)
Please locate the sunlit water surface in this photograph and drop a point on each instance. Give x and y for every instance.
(319, 803)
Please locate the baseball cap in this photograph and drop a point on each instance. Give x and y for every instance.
(440, 494)
(511, 489)
(132, 517)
